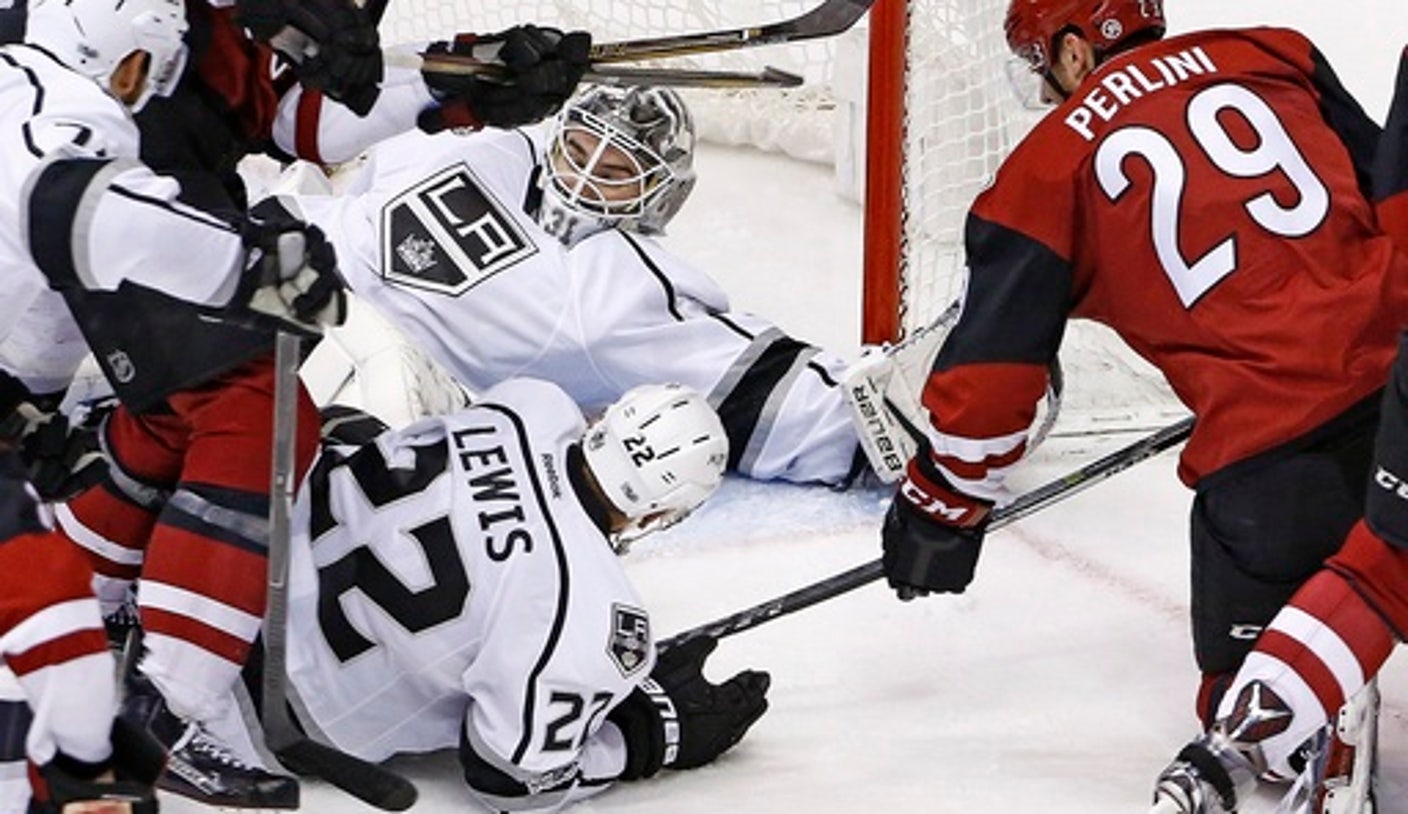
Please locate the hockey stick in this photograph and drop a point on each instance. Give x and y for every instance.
(768, 77)
(830, 18)
(366, 781)
(1030, 502)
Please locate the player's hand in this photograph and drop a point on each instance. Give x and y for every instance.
(125, 785)
(678, 719)
(542, 69)
(334, 45)
(932, 534)
(290, 270)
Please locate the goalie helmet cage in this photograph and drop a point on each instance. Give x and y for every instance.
(938, 115)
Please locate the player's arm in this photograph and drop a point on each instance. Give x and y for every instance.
(984, 388)
(542, 69)
(332, 45)
(96, 224)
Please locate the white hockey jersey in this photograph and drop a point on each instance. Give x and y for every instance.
(447, 578)
(435, 234)
(46, 112)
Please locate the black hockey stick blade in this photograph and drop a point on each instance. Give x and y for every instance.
(1030, 502)
(828, 19)
(368, 782)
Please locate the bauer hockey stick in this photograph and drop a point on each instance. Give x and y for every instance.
(1030, 502)
(366, 781)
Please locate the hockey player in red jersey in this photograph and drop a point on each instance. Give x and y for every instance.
(51, 637)
(1314, 662)
(1207, 197)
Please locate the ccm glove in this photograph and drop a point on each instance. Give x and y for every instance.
(542, 67)
(333, 45)
(290, 270)
(678, 719)
(932, 534)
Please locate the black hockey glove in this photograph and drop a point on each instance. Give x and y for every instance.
(542, 69)
(137, 761)
(332, 44)
(290, 270)
(64, 458)
(678, 719)
(20, 511)
(59, 460)
(932, 534)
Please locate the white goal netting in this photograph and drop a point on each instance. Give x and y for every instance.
(961, 117)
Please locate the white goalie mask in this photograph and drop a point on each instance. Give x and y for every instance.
(617, 157)
(657, 453)
(93, 37)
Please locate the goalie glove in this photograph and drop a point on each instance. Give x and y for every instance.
(933, 533)
(678, 719)
(290, 271)
(333, 45)
(542, 69)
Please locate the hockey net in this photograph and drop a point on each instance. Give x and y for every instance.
(914, 101)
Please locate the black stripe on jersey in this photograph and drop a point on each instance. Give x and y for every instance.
(741, 408)
(52, 204)
(1018, 298)
(203, 218)
(564, 580)
(38, 102)
(15, 717)
(1360, 134)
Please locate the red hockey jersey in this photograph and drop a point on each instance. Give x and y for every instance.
(1206, 197)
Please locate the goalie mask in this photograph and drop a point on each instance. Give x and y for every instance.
(93, 37)
(657, 453)
(617, 157)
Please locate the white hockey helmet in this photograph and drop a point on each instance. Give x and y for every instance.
(657, 453)
(618, 157)
(93, 37)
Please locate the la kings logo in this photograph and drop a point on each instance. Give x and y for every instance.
(447, 234)
(630, 638)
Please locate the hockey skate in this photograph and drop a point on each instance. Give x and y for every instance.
(1205, 778)
(1341, 762)
(201, 767)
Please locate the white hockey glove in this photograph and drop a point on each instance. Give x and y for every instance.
(290, 271)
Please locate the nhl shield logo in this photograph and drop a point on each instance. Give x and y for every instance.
(630, 638)
(121, 366)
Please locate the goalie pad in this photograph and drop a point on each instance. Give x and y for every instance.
(884, 388)
(369, 364)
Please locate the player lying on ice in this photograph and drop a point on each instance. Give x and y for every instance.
(519, 252)
(456, 584)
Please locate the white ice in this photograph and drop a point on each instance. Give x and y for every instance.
(1062, 681)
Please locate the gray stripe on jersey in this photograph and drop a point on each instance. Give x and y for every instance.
(772, 408)
(83, 218)
(537, 785)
